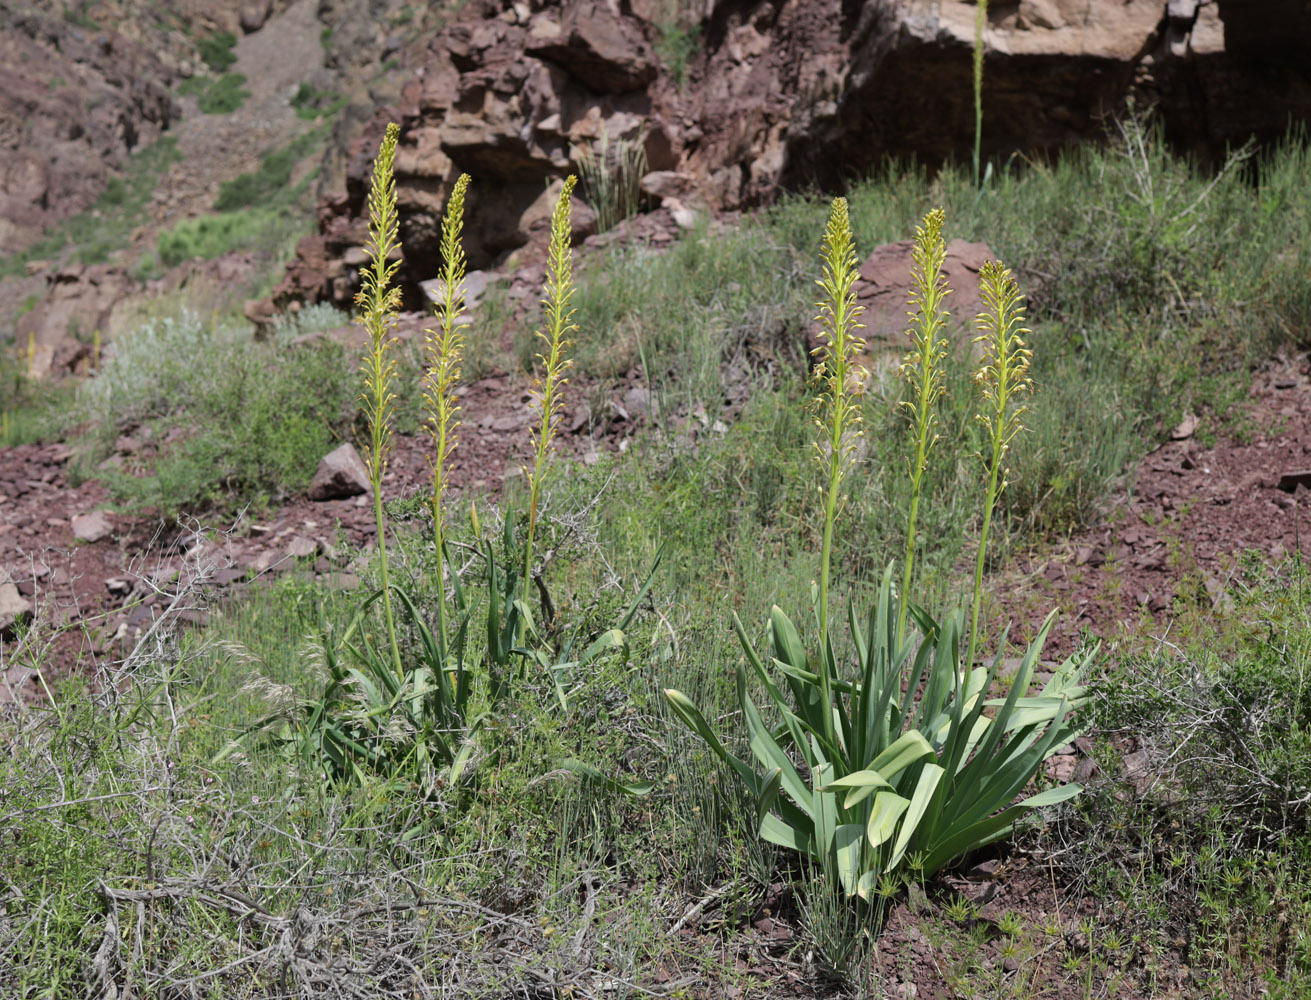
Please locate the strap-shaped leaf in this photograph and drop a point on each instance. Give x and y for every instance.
(787, 640)
(597, 777)
(849, 847)
(627, 619)
(610, 639)
(768, 794)
(992, 828)
(767, 750)
(930, 776)
(886, 810)
(906, 750)
(776, 831)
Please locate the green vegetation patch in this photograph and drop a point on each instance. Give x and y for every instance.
(216, 50)
(311, 103)
(216, 95)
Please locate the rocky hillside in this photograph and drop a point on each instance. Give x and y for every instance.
(753, 98)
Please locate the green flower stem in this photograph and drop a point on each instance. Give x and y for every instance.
(923, 368)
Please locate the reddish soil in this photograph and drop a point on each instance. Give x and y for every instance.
(1177, 535)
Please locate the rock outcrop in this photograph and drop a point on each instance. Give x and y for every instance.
(789, 94)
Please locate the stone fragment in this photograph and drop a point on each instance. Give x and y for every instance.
(14, 609)
(302, 547)
(341, 474)
(91, 527)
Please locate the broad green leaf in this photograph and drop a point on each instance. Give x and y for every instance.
(787, 640)
(919, 804)
(887, 809)
(776, 831)
(848, 846)
(905, 751)
(768, 795)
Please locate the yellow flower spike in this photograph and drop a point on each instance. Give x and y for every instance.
(1003, 380)
(840, 382)
(379, 303)
(923, 370)
(548, 388)
(445, 349)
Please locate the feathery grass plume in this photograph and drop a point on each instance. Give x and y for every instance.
(558, 293)
(31, 354)
(923, 369)
(980, 19)
(1003, 378)
(840, 381)
(445, 347)
(379, 304)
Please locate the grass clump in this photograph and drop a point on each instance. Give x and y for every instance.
(611, 172)
(270, 185)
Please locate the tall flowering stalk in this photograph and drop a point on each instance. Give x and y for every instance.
(923, 370)
(548, 388)
(379, 303)
(980, 19)
(1003, 378)
(445, 350)
(840, 381)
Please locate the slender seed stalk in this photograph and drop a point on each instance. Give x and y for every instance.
(1004, 380)
(980, 19)
(548, 388)
(840, 381)
(923, 369)
(445, 349)
(379, 304)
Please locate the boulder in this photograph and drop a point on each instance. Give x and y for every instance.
(597, 46)
(341, 474)
(253, 15)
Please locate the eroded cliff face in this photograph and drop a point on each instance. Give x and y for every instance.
(791, 94)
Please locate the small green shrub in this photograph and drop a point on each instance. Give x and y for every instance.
(216, 51)
(255, 419)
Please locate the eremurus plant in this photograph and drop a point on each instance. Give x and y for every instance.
(896, 759)
(445, 350)
(379, 304)
(548, 386)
